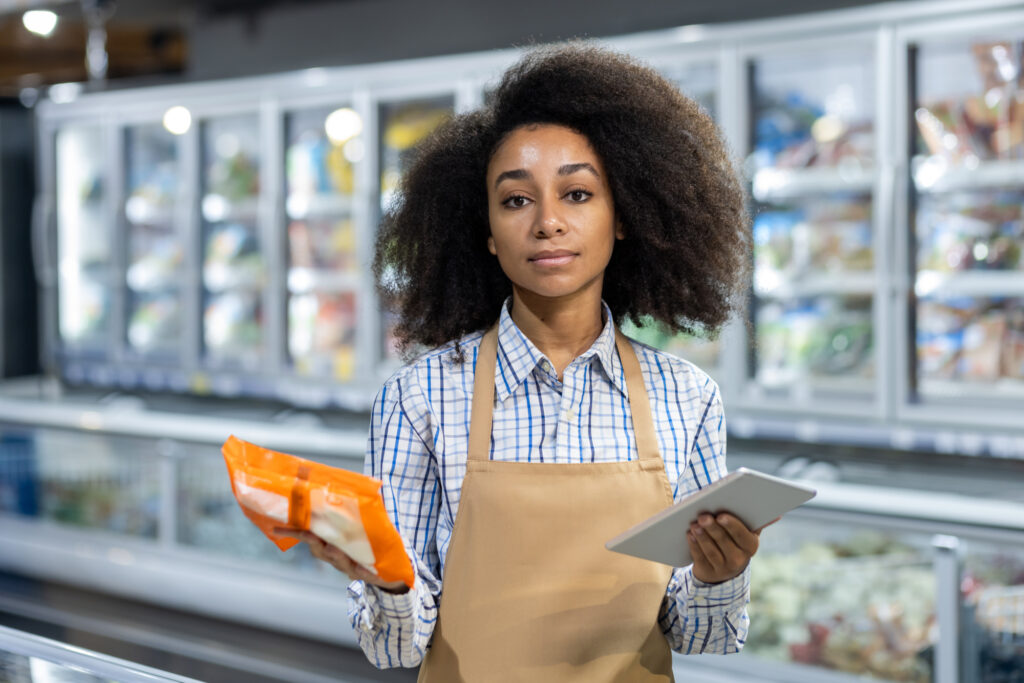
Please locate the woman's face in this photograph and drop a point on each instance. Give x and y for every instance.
(552, 219)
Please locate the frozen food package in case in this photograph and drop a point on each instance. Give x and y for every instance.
(343, 508)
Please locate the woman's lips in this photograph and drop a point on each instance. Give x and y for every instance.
(553, 258)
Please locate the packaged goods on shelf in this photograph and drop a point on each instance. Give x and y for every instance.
(156, 261)
(321, 334)
(232, 323)
(327, 244)
(971, 231)
(826, 336)
(155, 323)
(232, 258)
(793, 131)
(971, 339)
(315, 165)
(821, 236)
(863, 605)
(234, 177)
(699, 350)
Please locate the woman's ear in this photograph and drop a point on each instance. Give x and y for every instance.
(490, 246)
(620, 234)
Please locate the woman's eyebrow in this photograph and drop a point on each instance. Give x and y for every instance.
(569, 169)
(517, 174)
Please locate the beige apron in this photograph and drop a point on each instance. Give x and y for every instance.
(529, 592)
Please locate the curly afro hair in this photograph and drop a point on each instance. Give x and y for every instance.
(685, 258)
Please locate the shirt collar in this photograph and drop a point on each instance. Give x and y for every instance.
(518, 356)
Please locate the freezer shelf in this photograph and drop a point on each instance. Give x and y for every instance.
(970, 343)
(845, 598)
(85, 259)
(155, 242)
(234, 268)
(82, 480)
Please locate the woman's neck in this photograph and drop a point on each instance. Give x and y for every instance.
(562, 329)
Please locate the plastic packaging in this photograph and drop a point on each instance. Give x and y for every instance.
(343, 508)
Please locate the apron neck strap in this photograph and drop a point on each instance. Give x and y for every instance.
(483, 398)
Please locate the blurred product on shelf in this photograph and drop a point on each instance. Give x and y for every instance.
(316, 165)
(863, 604)
(233, 259)
(156, 259)
(326, 244)
(974, 340)
(821, 236)
(233, 327)
(823, 337)
(971, 231)
(321, 334)
(986, 124)
(155, 323)
(403, 126)
(993, 590)
(83, 481)
(795, 131)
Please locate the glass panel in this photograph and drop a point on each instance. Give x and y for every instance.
(968, 108)
(821, 345)
(844, 598)
(993, 593)
(84, 238)
(324, 148)
(971, 347)
(155, 242)
(402, 126)
(233, 264)
(812, 177)
(209, 516)
(85, 480)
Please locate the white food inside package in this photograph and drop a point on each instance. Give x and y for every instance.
(336, 519)
(263, 502)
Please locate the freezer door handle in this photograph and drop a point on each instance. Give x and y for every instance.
(41, 254)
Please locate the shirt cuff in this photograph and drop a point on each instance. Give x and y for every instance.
(390, 605)
(720, 597)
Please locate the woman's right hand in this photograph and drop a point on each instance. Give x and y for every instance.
(324, 551)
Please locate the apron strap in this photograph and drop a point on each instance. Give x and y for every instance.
(639, 404)
(483, 398)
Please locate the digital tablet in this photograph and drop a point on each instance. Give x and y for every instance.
(754, 497)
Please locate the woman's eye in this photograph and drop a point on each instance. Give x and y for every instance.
(516, 201)
(579, 195)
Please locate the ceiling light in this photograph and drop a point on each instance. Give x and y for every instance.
(39, 21)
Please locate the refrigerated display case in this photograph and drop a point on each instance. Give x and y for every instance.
(812, 170)
(967, 163)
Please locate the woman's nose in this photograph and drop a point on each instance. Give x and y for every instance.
(549, 220)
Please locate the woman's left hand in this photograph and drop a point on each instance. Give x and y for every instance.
(721, 546)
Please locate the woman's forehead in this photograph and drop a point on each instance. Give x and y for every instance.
(541, 146)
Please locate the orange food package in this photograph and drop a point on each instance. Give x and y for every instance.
(343, 508)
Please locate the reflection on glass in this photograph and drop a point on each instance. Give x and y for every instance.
(155, 243)
(402, 126)
(822, 338)
(843, 598)
(209, 518)
(970, 341)
(325, 147)
(83, 238)
(81, 480)
(993, 592)
(814, 110)
(970, 105)
(233, 264)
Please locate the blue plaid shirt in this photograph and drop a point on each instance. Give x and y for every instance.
(419, 433)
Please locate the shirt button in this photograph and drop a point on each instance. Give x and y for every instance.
(570, 414)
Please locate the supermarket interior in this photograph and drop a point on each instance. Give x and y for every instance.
(189, 196)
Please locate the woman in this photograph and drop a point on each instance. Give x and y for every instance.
(589, 191)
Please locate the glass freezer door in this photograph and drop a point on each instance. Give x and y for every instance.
(811, 168)
(84, 240)
(402, 126)
(155, 248)
(324, 148)
(233, 271)
(968, 219)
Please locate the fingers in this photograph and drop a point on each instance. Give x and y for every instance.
(721, 547)
(744, 538)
